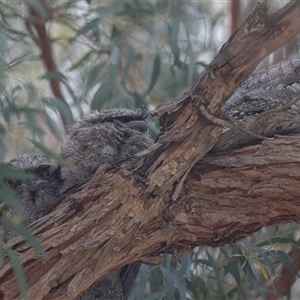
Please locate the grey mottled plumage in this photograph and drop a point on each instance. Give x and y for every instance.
(37, 194)
(262, 91)
(102, 137)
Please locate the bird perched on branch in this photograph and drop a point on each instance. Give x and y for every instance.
(264, 104)
(100, 138)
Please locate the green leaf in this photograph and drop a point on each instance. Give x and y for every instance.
(114, 57)
(12, 32)
(204, 288)
(264, 271)
(168, 261)
(101, 96)
(233, 269)
(40, 8)
(174, 39)
(8, 196)
(156, 279)
(83, 59)
(224, 252)
(94, 76)
(278, 240)
(108, 10)
(180, 283)
(249, 271)
(88, 26)
(191, 65)
(1, 252)
(130, 60)
(155, 72)
(284, 258)
(217, 271)
(8, 172)
(16, 264)
(141, 281)
(31, 91)
(192, 289)
(49, 122)
(17, 60)
(154, 296)
(265, 256)
(18, 227)
(61, 106)
(54, 75)
(3, 46)
(170, 284)
(157, 33)
(52, 155)
(136, 13)
(185, 264)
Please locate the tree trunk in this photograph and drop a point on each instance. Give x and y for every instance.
(172, 197)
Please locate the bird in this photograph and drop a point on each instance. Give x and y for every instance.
(114, 135)
(103, 137)
(264, 104)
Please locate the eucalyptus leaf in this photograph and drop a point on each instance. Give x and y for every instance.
(216, 270)
(24, 232)
(282, 257)
(88, 26)
(61, 106)
(38, 7)
(95, 75)
(170, 284)
(54, 75)
(234, 268)
(52, 155)
(108, 10)
(101, 95)
(17, 60)
(84, 59)
(155, 72)
(278, 240)
(174, 39)
(141, 281)
(192, 289)
(8, 197)
(155, 296)
(16, 264)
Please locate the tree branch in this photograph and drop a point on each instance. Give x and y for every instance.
(182, 124)
(128, 212)
(38, 21)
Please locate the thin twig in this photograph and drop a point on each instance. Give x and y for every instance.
(279, 109)
(201, 105)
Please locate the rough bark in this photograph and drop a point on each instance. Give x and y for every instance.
(163, 200)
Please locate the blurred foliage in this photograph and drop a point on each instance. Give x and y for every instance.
(134, 54)
(230, 272)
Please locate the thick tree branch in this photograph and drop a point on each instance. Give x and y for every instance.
(218, 205)
(182, 124)
(163, 201)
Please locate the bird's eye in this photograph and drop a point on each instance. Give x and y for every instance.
(47, 173)
(11, 182)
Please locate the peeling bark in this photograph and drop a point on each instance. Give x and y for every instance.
(167, 199)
